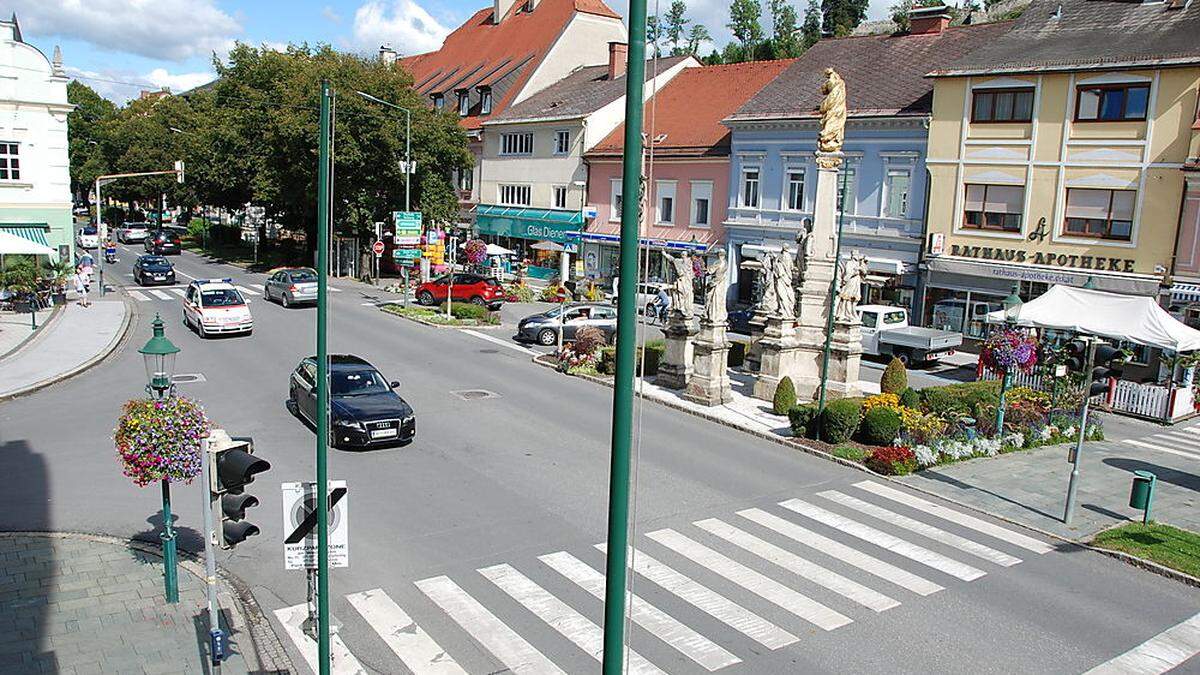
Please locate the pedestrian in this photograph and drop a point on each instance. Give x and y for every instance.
(81, 287)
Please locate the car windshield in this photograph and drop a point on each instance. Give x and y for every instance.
(303, 276)
(357, 382)
(90, 229)
(135, 226)
(155, 261)
(221, 297)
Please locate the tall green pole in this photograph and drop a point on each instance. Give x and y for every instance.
(323, 384)
(622, 419)
(833, 288)
(170, 570)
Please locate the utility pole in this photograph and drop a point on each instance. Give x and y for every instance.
(1077, 454)
(323, 197)
(622, 424)
(216, 637)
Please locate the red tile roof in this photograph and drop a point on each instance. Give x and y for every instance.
(481, 52)
(686, 114)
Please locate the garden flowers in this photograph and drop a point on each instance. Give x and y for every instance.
(1008, 350)
(160, 440)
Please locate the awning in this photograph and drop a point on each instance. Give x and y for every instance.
(527, 223)
(1185, 293)
(11, 244)
(35, 232)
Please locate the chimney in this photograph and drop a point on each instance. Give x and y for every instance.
(500, 9)
(928, 20)
(387, 55)
(618, 58)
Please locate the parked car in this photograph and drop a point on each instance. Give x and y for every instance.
(162, 243)
(129, 232)
(88, 237)
(885, 331)
(647, 292)
(365, 409)
(153, 269)
(474, 288)
(292, 286)
(214, 306)
(543, 327)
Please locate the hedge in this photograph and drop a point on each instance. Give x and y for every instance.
(654, 351)
(840, 420)
(880, 426)
(785, 396)
(963, 397)
(803, 419)
(466, 310)
(894, 379)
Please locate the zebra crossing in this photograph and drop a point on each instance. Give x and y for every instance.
(1182, 442)
(774, 580)
(174, 293)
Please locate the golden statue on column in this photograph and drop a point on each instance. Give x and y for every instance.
(833, 119)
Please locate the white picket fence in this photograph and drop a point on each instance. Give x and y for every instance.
(1149, 401)
(1020, 379)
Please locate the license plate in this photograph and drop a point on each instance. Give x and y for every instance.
(159, 277)
(383, 433)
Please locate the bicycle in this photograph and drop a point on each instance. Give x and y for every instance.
(656, 314)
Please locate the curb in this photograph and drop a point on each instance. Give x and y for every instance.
(29, 341)
(268, 651)
(117, 341)
(1147, 565)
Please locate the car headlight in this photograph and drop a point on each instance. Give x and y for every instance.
(349, 424)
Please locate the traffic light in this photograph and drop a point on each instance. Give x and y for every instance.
(1109, 363)
(234, 466)
(1076, 356)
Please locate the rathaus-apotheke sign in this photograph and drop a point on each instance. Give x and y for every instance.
(1016, 255)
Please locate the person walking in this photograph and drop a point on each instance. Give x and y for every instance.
(81, 287)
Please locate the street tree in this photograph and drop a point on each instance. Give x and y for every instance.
(810, 31)
(841, 17)
(675, 27)
(85, 136)
(654, 33)
(697, 36)
(744, 23)
(784, 42)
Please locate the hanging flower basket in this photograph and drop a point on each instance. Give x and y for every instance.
(1008, 350)
(160, 440)
(476, 251)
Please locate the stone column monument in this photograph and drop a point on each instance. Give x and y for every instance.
(779, 344)
(710, 377)
(675, 369)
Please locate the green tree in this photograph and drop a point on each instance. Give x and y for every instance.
(784, 41)
(697, 36)
(894, 379)
(654, 33)
(810, 31)
(843, 16)
(744, 23)
(713, 59)
(85, 136)
(675, 27)
(733, 53)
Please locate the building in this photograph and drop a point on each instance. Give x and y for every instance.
(1185, 273)
(687, 167)
(533, 183)
(882, 189)
(1056, 156)
(35, 181)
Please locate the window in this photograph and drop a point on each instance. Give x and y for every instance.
(466, 179)
(666, 202)
(617, 202)
(464, 102)
(994, 207)
(1112, 102)
(515, 195)
(1102, 214)
(1002, 105)
(847, 184)
(10, 161)
(560, 196)
(795, 189)
(562, 142)
(895, 191)
(516, 144)
(701, 201)
(485, 100)
(750, 176)
(439, 101)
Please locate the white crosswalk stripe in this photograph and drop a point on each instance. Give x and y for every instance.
(687, 641)
(483, 627)
(970, 522)
(159, 294)
(912, 525)
(341, 659)
(558, 615)
(894, 544)
(851, 556)
(139, 296)
(799, 566)
(765, 587)
(247, 291)
(406, 639)
(1188, 440)
(1159, 654)
(1162, 448)
(178, 291)
(708, 601)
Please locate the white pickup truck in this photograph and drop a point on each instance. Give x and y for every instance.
(885, 331)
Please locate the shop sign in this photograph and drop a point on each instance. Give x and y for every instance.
(1015, 255)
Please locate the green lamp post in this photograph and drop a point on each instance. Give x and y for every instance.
(1012, 310)
(159, 356)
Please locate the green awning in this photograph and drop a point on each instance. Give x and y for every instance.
(527, 223)
(35, 232)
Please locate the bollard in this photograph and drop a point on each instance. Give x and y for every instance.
(1141, 494)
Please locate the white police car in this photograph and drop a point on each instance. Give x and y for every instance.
(216, 307)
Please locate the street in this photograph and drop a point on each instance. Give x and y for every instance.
(484, 531)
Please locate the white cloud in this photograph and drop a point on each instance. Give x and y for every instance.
(178, 82)
(403, 24)
(331, 14)
(175, 30)
(121, 86)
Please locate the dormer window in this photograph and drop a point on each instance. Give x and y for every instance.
(439, 101)
(485, 100)
(464, 102)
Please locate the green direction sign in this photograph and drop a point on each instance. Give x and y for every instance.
(408, 225)
(406, 255)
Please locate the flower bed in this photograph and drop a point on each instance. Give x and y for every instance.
(461, 314)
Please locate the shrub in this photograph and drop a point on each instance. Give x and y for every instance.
(465, 310)
(880, 426)
(803, 420)
(737, 354)
(551, 293)
(895, 378)
(853, 453)
(653, 353)
(909, 398)
(921, 428)
(840, 420)
(588, 339)
(963, 397)
(892, 461)
(881, 401)
(518, 293)
(785, 396)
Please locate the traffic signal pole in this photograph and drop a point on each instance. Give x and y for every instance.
(323, 190)
(216, 638)
(1073, 485)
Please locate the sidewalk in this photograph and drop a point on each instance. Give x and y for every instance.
(76, 339)
(15, 328)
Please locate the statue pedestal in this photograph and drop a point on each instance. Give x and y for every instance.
(780, 351)
(758, 323)
(675, 368)
(710, 377)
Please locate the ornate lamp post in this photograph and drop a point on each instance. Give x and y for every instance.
(1012, 310)
(159, 356)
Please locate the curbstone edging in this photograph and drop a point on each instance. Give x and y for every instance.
(55, 313)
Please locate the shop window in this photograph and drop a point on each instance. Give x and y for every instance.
(994, 207)
(516, 144)
(562, 142)
(1002, 105)
(895, 193)
(1111, 102)
(10, 161)
(560, 196)
(701, 201)
(515, 195)
(795, 189)
(1100, 214)
(945, 309)
(750, 178)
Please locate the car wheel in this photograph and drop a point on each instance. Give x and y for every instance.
(547, 337)
(905, 357)
(478, 301)
(425, 298)
(283, 300)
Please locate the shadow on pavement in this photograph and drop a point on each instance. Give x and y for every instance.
(25, 644)
(1105, 512)
(1166, 474)
(967, 487)
(186, 538)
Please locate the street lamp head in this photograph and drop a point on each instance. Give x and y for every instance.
(158, 355)
(1012, 305)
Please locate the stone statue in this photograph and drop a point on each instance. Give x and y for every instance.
(803, 248)
(854, 273)
(682, 299)
(768, 304)
(783, 277)
(714, 293)
(833, 113)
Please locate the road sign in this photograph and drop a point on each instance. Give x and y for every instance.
(300, 525)
(406, 255)
(377, 247)
(408, 223)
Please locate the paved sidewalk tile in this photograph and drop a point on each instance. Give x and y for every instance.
(78, 336)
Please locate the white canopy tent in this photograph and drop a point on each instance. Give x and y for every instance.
(11, 244)
(493, 250)
(1120, 317)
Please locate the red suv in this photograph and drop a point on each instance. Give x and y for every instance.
(479, 290)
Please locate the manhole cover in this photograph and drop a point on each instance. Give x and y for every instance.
(475, 394)
(189, 378)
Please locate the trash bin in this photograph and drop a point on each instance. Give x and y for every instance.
(1143, 490)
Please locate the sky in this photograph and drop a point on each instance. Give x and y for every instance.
(119, 47)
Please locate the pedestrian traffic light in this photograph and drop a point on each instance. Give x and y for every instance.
(1076, 356)
(234, 466)
(1109, 364)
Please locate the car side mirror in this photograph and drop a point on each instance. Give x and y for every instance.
(394, 384)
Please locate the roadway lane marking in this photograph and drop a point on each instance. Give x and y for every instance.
(342, 660)
(851, 556)
(937, 534)
(687, 641)
(708, 601)
(1159, 654)
(178, 291)
(1160, 448)
(880, 538)
(970, 522)
(799, 566)
(1185, 442)
(801, 605)
(483, 627)
(139, 296)
(158, 294)
(413, 645)
(502, 343)
(558, 615)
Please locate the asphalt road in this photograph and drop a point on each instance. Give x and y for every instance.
(493, 485)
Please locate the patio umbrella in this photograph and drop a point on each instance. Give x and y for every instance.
(547, 246)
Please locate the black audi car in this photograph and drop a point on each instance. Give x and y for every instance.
(153, 269)
(366, 410)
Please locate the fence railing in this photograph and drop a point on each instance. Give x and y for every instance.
(1149, 401)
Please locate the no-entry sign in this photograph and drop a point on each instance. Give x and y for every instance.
(300, 525)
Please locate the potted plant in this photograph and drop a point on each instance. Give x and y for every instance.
(21, 278)
(60, 275)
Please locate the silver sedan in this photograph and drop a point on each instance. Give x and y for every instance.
(292, 286)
